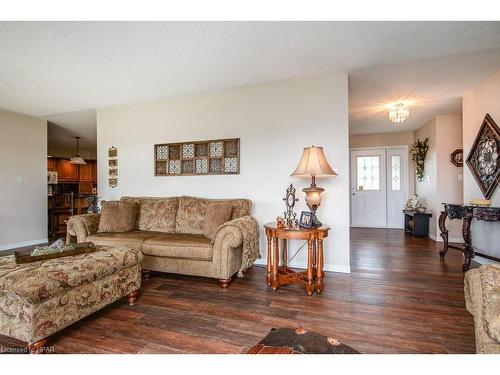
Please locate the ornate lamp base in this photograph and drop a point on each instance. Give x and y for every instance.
(315, 222)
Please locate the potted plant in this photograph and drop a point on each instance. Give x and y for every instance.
(418, 151)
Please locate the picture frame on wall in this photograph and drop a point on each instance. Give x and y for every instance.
(113, 173)
(113, 163)
(112, 152)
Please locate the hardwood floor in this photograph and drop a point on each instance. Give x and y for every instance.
(399, 298)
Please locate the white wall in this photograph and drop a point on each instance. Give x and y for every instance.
(476, 104)
(449, 177)
(274, 122)
(427, 189)
(23, 177)
(441, 180)
(381, 139)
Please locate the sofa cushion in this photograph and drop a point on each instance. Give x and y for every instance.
(155, 214)
(192, 211)
(179, 245)
(132, 239)
(218, 213)
(117, 217)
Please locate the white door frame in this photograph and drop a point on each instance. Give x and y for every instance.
(406, 174)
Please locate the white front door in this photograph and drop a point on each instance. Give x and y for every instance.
(368, 188)
(396, 186)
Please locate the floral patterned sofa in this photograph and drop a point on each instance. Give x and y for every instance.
(482, 298)
(168, 231)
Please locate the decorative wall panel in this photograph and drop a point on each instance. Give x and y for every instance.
(220, 156)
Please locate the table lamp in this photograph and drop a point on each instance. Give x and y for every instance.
(313, 164)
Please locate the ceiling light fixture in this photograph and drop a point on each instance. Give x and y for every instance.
(399, 112)
(77, 159)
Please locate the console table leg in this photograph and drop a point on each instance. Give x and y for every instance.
(468, 249)
(284, 253)
(444, 233)
(320, 274)
(310, 250)
(269, 253)
(275, 283)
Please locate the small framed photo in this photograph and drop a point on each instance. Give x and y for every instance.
(113, 163)
(113, 173)
(113, 182)
(112, 152)
(306, 219)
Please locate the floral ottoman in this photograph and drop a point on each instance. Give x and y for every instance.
(40, 298)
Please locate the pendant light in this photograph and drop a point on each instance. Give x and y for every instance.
(77, 159)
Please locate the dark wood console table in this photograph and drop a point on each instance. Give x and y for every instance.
(466, 214)
(277, 275)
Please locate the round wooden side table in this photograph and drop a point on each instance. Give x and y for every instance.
(278, 275)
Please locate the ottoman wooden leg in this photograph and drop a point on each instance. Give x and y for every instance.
(34, 347)
(146, 274)
(131, 298)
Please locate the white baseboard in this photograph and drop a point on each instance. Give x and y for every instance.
(303, 265)
(479, 259)
(23, 244)
(450, 239)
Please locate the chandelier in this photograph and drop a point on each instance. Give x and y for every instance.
(399, 113)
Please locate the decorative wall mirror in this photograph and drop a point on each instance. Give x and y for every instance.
(483, 159)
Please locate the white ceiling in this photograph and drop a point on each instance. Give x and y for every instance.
(431, 87)
(62, 130)
(49, 68)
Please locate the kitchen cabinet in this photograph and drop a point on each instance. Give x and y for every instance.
(66, 172)
(52, 165)
(86, 171)
(94, 171)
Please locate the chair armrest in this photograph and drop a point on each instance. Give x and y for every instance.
(240, 233)
(81, 226)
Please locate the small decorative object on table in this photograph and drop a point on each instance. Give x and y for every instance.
(313, 164)
(306, 220)
(457, 157)
(480, 202)
(483, 160)
(56, 250)
(412, 202)
(421, 209)
(418, 151)
(290, 204)
(280, 222)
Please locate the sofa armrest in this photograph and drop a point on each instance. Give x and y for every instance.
(81, 226)
(234, 245)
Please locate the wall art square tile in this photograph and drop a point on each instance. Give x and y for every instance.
(221, 156)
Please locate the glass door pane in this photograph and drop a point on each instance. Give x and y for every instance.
(368, 173)
(396, 172)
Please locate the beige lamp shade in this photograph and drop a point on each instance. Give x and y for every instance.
(313, 163)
